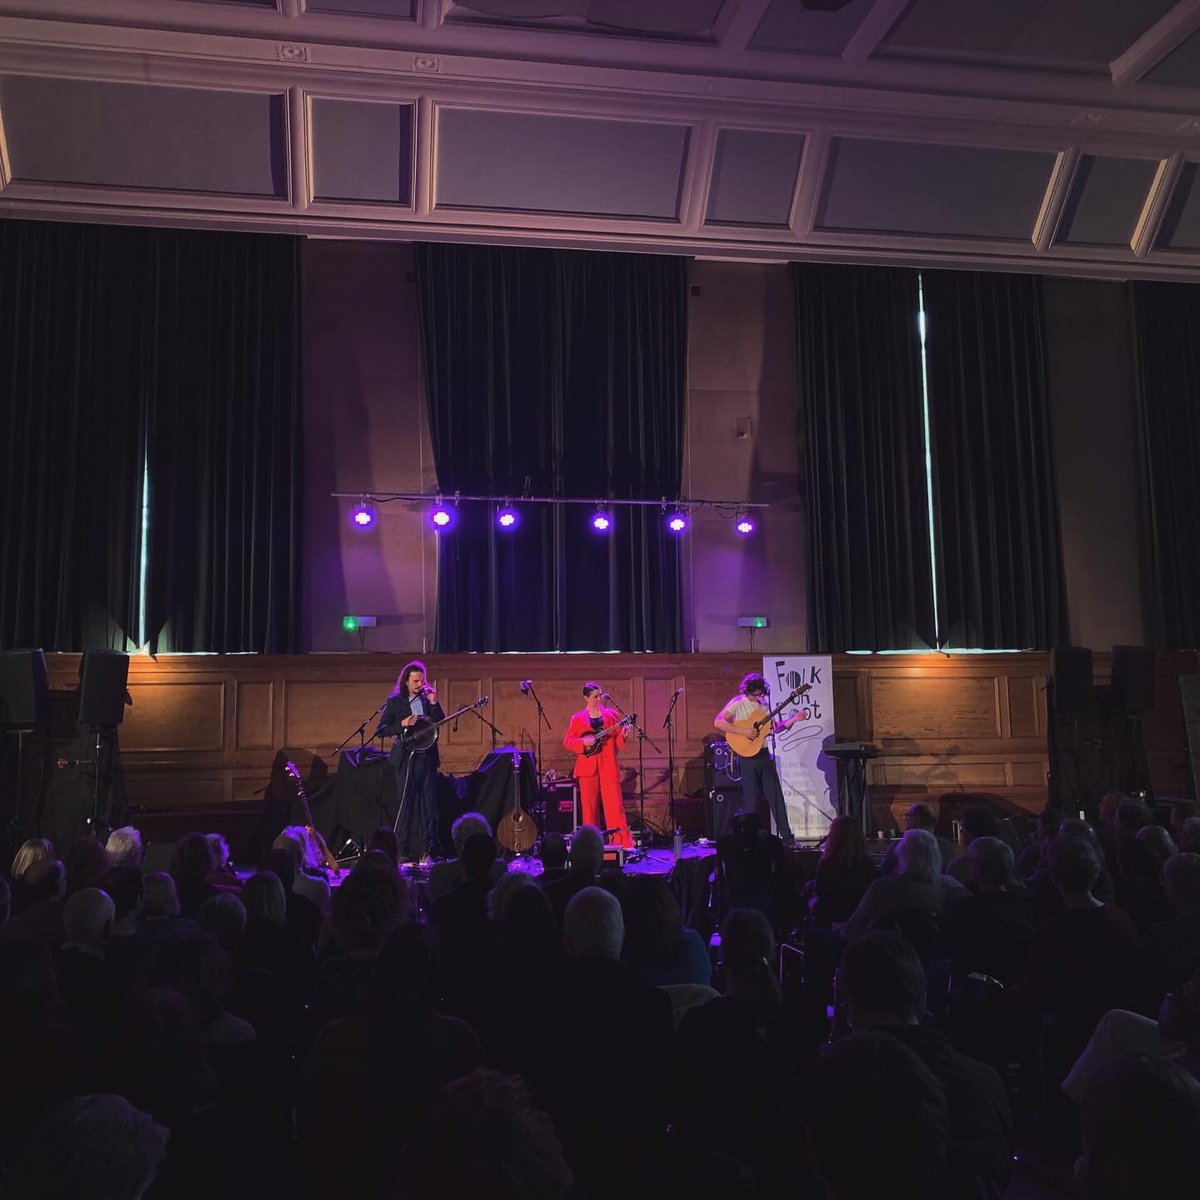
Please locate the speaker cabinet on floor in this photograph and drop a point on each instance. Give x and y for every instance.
(723, 802)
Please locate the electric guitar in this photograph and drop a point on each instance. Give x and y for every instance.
(748, 736)
(604, 734)
(313, 832)
(516, 830)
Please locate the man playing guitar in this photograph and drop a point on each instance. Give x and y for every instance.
(596, 769)
(759, 777)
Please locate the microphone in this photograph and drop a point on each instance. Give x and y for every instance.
(605, 696)
(526, 684)
(679, 691)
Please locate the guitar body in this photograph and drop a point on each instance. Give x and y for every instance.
(749, 737)
(517, 830)
(315, 838)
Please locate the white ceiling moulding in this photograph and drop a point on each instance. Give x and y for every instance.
(1156, 43)
(1162, 191)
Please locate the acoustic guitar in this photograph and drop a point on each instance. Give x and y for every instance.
(313, 832)
(748, 736)
(517, 830)
(604, 734)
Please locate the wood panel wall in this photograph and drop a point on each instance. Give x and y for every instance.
(204, 730)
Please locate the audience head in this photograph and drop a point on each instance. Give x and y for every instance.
(469, 825)
(858, 1088)
(978, 820)
(28, 984)
(477, 856)
(1159, 839)
(992, 863)
(291, 842)
(919, 855)
(124, 847)
(44, 880)
(593, 925)
(1049, 822)
(920, 816)
(218, 848)
(194, 965)
(160, 896)
(1139, 1132)
(88, 917)
(514, 1151)
(86, 863)
(1138, 864)
(224, 916)
(127, 889)
(90, 1148)
(587, 851)
(844, 843)
(529, 921)
(1074, 864)
(34, 850)
(653, 922)
(1132, 815)
(192, 859)
(385, 841)
(282, 865)
(883, 980)
(405, 978)
(1074, 827)
(1106, 813)
(264, 899)
(371, 902)
(1189, 836)
(1181, 878)
(503, 891)
(553, 851)
(748, 958)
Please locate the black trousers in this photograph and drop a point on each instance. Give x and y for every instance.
(759, 779)
(416, 792)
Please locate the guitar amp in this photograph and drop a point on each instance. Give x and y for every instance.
(560, 801)
(721, 766)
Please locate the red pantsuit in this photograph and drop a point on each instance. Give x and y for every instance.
(599, 775)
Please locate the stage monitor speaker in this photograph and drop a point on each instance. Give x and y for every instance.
(723, 802)
(561, 807)
(1132, 678)
(721, 768)
(102, 683)
(1072, 671)
(24, 693)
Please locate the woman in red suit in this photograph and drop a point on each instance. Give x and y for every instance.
(598, 774)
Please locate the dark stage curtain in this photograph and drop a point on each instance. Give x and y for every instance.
(562, 374)
(995, 500)
(165, 350)
(1167, 326)
(862, 453)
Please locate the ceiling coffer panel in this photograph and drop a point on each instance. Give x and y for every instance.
(754, 178)
(362, 151)
(128, 135)
(1107, 198)
(937, 190)
(533, 162)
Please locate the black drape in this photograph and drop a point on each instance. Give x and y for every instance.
(1167, 328)
(863, 457)
(562, 374)
(164, 354)
(995, 500)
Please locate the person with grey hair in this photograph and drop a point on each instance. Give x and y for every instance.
(919, 816)
(918, 885)
(311, 886)
(593, 924)
(86, 982)
(124, 847)
(160, 908)
(587, 857)
(93, 1148)
(445, 876)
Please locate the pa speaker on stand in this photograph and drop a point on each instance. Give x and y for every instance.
(103, 695)
(24, 709)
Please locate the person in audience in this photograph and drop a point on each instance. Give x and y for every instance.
(1139, 1132)
(1081, 961)
(443, 876)
(160, 908)
(1159, 839)
(990, 932)
(1044, 897)
(223, 877)
(1172, 946)
(385, 840)
(516, 1154)
(191, 865)
(86, 981)
(91, 1148)
(844, 872)
(658, 949)
(311, 885)
(195, 966)
(125, 847)
(271, 945)
(751, 863)
(86, 864)
(857, 1090)
(502, 893)
(1033, 856)
(920, 816)
(33, 850)
(883, 983)
(918, 885)
(371, 902)
(370, 1076)
(587, 857)
(43, 886)
(1139, 884)
(302, 914)
(977, 821)
(460, 916)
(1132, 816)
(127, 944)
(1189, 836)
(553, 854)
(253, 992)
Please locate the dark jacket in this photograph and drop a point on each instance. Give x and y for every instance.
(396, 710)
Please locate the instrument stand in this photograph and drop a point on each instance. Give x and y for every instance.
(669, 726)
(541, 717)
(99, 824)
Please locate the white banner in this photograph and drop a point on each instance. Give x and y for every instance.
(807, 775)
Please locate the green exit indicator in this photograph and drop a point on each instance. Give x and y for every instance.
(754, 622)
(353, 624)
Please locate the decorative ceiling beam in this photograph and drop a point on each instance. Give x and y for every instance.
(290, 8)
(876, 25)
(738, 22)
(698, 174)
(1165, 35)
(1158, 200)
(299, 126)
(810, 182)
(1054, 203)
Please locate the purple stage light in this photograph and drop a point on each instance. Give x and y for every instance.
(362, 516)
(601, 521)
(506, 517)
(745, 524)
(441, 517)
(677, 522)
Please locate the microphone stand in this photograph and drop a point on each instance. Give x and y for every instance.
(496, 734)
(530, 690)
(669, 726)
(642, 737)
(360, 733)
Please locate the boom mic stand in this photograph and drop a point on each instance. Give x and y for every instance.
(361, 734)
(642, 737)
(669, 726)
(496, 734)
(529, 690)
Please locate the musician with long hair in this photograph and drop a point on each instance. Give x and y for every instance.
(414, 699)
(597, 770)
